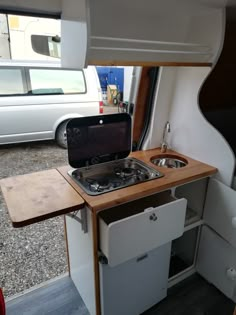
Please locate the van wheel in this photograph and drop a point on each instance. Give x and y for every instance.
(61, 135)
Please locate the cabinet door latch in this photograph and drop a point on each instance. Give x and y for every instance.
(153, 217)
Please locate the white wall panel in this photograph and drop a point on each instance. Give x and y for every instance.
(191, 134)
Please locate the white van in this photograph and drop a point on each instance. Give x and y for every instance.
(37, 100)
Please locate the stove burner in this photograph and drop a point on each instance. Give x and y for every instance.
(131, 173)
(102, 184)
(98, 184)
(125, 172)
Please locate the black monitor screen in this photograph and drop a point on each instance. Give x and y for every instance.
(98, 139)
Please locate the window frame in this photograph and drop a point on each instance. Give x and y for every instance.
(28, 80)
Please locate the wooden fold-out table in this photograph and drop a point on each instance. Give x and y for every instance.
(38, 196)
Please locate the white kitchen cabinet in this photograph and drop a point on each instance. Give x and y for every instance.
(183, 254)
(195, 193)
(216, 262)
(135, 239)
(220, 210)
(152, 243)
(215, 257)
(81, 259)
(137, 227)
(136, 285)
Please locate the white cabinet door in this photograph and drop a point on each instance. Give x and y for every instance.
(220, 210)
(216, 262)
(135, 286)
(139, 233)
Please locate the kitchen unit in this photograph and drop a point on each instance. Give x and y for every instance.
(204, 235)
(119, 237)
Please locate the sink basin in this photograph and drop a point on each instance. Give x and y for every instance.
(169, 161)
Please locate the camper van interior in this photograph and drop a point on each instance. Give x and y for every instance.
(150, 219)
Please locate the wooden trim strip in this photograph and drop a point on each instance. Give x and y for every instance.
(96, 263)
(67, 247)
(141, 104)
(148, 63)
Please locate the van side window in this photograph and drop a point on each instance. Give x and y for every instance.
(11, 82)
(56, 81)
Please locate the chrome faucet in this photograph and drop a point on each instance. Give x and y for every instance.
(164, 144)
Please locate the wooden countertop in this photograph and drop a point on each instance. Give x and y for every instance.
(38, 196)
(172, 177)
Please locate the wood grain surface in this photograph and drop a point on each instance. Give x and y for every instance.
(38, 196)
(172, 177)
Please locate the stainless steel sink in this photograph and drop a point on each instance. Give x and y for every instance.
(169, 161)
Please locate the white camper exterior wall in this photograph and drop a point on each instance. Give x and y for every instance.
(4, 38)
(22, 27)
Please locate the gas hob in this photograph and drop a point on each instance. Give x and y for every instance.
(102, 178)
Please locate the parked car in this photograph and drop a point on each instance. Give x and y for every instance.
(37, 100)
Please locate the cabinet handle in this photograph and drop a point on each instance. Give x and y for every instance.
(153, 217)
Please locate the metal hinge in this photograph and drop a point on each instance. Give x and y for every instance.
(82, 220)
(102, 258)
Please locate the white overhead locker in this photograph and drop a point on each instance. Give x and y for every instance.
(154, 31)
(132, 32)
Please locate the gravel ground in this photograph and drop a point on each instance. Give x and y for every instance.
(36, 253)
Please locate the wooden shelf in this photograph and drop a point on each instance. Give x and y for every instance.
(191, 217)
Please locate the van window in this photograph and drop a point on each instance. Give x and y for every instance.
(56, 81)
(11, 81)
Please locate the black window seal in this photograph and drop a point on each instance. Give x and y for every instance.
(40, 14)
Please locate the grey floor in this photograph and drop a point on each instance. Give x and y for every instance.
(193, 296)
(57, 298)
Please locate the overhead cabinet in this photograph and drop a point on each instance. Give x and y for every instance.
(108, 32)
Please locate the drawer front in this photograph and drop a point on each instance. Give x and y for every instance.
(216, 262)
(138, 234)
(220, 210)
